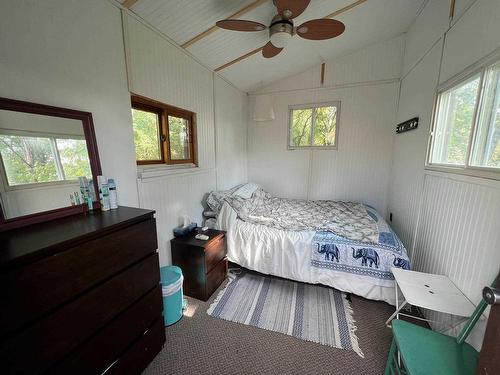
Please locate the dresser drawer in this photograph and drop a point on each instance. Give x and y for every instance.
(101, 351)
(33, 290)
(215, 252)
(54, 336)
(142, 352)
(215, 278)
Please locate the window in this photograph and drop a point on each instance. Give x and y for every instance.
(466, 127)
(314, 126)
(29, 159)
(162, 134)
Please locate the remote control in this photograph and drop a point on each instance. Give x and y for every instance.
(204, 229)
(202, 237)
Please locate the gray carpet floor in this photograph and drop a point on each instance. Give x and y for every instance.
(201, 344)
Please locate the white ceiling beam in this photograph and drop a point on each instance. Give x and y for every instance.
(345, 9)
(239, 59)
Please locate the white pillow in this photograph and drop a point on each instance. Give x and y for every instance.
(246, 190)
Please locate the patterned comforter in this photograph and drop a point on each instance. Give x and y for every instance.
(349, 220)
(333, 252)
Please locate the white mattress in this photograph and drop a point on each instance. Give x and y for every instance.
(287, 254)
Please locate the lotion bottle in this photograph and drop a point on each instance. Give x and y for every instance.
(113, 198)
(103, 192)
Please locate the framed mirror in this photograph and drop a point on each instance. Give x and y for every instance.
(44, 151)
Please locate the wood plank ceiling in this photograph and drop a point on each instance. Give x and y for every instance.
(236, 55)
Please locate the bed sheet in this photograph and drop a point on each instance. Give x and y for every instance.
(294, 255)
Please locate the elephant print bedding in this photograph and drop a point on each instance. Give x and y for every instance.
(345, 245)
(340, 254)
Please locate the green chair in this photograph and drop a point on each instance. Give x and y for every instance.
(426, 352)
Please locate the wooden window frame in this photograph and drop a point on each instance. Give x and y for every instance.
(163, 111)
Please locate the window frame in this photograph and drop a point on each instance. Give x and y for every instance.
(163, 111)
(335, 103)
(57, 160)
(480, 68)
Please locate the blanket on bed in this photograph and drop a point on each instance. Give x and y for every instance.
(347, 219)
(332, 252)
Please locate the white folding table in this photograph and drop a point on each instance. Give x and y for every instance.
(433, 292)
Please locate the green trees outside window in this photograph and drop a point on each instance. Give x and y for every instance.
(314, 126)
(466, 128)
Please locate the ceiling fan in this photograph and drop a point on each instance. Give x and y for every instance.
(282, 29)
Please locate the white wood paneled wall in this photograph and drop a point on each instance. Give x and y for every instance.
(366, 83)
(450, 222)
(231, 134)
(173, 196)
(161, 71)
(70, 54)
(458, 233)
(458, 236)
(416, 98)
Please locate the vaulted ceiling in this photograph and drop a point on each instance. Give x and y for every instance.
(190, 23)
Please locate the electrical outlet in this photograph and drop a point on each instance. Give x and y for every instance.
(390, 216)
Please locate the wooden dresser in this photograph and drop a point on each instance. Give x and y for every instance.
(81, 295)
(203, 263)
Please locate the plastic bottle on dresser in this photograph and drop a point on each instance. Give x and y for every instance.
(113, 197)
(103, 192)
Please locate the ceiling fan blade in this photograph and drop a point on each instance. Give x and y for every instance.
(320, 29)
(269, 50)
(240, 25)
(291, 8)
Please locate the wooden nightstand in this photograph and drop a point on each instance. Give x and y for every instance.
(203, 263)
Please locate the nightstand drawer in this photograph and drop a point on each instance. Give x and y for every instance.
(216, 277)
(214, 253)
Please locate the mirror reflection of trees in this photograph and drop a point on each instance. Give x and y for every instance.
(29, 160)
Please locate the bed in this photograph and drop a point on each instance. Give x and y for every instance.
(345, 245)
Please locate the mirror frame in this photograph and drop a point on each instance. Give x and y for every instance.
(95, 165)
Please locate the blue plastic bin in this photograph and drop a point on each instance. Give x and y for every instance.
(171, 285)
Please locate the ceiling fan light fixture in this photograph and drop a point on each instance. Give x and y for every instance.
(280, 32)
(280, 39)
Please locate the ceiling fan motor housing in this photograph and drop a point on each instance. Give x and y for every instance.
(280, 31)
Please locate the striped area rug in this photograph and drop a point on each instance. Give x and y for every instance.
(309, 312)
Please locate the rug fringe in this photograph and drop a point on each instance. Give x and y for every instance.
(352, 327)
(231, 277)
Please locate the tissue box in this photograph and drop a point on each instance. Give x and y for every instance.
(184, 231)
